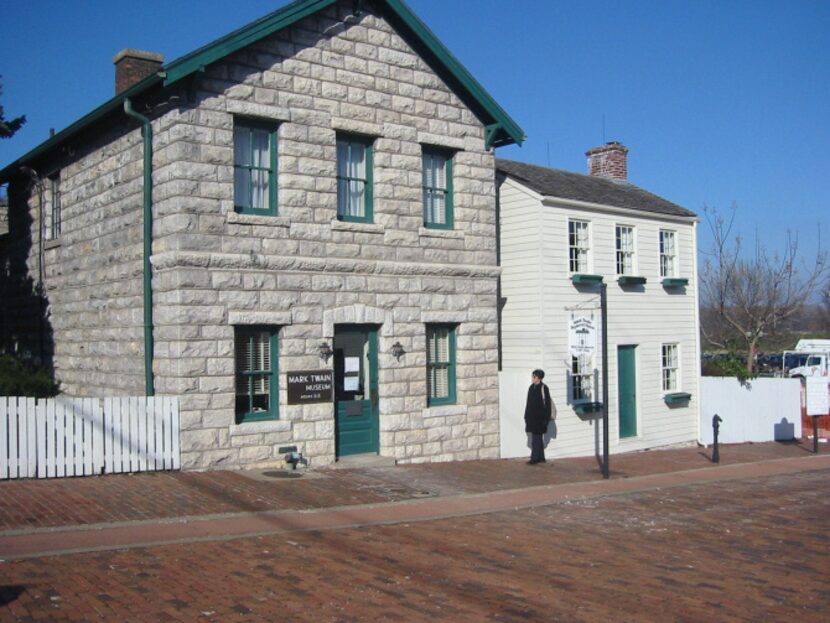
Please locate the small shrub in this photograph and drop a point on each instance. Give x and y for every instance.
(20, 379)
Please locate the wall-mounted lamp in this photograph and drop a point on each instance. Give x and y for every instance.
(325, 351)
(398, 351)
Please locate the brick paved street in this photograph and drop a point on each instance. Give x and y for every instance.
(754, 549)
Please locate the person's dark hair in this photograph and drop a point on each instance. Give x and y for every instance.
(540, 374)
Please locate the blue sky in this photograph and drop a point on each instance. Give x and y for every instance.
(719, 101)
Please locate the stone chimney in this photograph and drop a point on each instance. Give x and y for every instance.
(610, 160)
(132, 66)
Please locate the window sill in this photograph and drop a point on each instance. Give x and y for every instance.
(444, 411)
(363, 228)
(677, 398)
(52, 244)
(675, 282)
(587, 408)
(447, 234)
(257, 219)
(258, 428)
(584, 279)
(628, 280)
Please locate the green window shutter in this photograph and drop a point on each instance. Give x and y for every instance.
(437, 189)
(355, 173)
(255, 167)
(441, 374)
(256, 364)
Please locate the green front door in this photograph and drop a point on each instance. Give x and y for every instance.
(627, 388)
(356, 389)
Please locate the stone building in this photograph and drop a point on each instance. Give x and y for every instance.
(293, 229)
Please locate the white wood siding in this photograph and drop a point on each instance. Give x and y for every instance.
(646, 316)
(522, 269)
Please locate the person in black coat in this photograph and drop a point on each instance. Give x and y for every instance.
(538, 411)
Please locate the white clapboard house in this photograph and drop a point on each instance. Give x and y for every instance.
(562, 235)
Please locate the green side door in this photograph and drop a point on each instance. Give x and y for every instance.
(627, 389)
(356, 390)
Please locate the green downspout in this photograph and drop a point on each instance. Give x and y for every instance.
(147, 133)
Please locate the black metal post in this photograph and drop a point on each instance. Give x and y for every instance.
(716, 420)
(604, 312)
(815, 434)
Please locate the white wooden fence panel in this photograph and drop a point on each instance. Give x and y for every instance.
(40, 433)
(174, 452)
(13, 437)
(77, 437)
(31, 451)
(4, 439)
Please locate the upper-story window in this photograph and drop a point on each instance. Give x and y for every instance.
(625, 250)
(578, 246)
(254, 167)
(668, 253)
(437, 187)
(53, 216)
(354, 179)
(669, 366)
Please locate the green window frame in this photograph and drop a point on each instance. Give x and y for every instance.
(53, 223)
(440, 365)
(355, 165)
(254, 167)
(437, 188)
(256, 369)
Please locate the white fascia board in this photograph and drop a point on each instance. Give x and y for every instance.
(559, 202)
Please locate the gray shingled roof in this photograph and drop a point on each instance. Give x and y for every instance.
(577, 187)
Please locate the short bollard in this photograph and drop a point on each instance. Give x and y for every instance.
(716, 420)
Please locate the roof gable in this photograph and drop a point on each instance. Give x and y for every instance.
(500, 128)
(556, 183)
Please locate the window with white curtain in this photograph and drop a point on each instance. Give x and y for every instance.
(354, 179)
(625, 250)
(256, 373)
(578, 246)
(581, 379)
(437, 189)
(668, 253)
(254, 167)
(440, 364)
(669, 366)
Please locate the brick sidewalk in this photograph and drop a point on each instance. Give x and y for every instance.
(742, 550)
(31, 504)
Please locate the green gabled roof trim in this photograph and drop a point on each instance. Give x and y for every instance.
(500, 129)
(238, 39)
(506, 130)
(113, 105)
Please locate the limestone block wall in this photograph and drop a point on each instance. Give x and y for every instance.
(303, 270)
(92, 272)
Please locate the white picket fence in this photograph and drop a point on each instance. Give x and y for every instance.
(58, 437)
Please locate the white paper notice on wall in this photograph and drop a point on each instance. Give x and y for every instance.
(817, 399)
(351, 364)
(351, 384)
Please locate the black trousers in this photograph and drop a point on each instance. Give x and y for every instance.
(537, 448)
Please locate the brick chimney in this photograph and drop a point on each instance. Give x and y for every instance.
(610, 160)
(132, 66)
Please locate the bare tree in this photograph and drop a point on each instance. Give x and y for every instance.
(749, 297)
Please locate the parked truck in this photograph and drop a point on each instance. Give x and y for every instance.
(816, 355)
